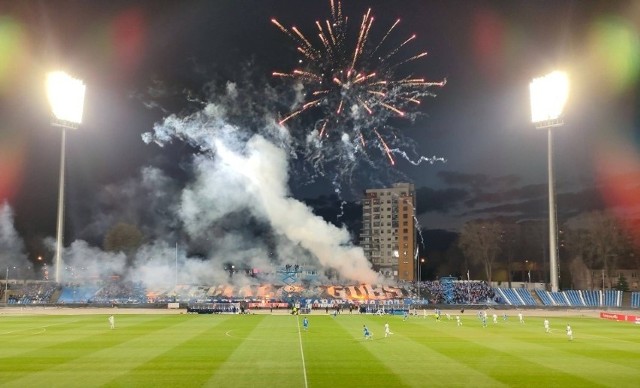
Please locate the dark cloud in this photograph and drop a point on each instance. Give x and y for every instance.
(574, 203)
(533, 191)
(569, 204)
(439, 200)
(533, 208)
(476, 181)
(483, 195)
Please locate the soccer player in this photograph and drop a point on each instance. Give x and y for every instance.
(112, 322)
(484, 320)
(495, 318)
(521, 317)
(546, 325)
(458, 321)
(406, 315)
(569, 332)
(387, 331)
(305, 323)
(366, 332)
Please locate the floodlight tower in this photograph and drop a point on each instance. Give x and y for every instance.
(66, 97)
(548, 97)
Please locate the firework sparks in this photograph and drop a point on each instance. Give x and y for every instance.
(344, 77)
(386, 147)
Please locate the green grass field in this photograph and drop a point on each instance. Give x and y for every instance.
(273, 351)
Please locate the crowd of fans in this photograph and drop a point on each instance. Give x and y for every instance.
(127, 292)
(457, 292)
(30, 293)
(120, 292)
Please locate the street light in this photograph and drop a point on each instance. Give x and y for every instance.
(6, 285)
(66, 97)
(420, 275)
(548, 97)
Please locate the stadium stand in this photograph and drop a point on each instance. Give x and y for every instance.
(509, 296)
(449, 291)
(635, 300)
(526, 297)
(77, 294)
(559, 298)
(545, 297)
(591, 297)
(612, 298)
(574, 297)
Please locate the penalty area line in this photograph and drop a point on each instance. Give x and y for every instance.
(304, 367)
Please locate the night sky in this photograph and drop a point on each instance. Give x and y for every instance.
(488, 52)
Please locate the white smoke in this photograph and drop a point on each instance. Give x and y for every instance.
(147, 201)
(264, 173)
(11, 245)
(236, 172)
(82, 261)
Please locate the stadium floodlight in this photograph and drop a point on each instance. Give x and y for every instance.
(549, 96)
(66, 97)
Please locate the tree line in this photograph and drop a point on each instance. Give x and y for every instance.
(590, 245)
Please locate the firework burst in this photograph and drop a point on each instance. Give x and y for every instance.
(352, 81)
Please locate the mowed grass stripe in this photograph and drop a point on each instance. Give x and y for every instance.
(263, 350)
(143, 341)
(190, 363)
(504, 355)
(594, 338)
(337, 356)
(466, 345)
(63, 341)
(22, 335)
(577, 356)
(268, 354)
(407, 356)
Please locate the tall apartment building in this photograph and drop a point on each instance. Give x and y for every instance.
(388, 234)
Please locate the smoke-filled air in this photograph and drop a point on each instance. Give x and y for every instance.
(234, 219)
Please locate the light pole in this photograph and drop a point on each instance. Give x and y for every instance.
(6, 285)
(66, 97)
(420, 276)
(548, 97)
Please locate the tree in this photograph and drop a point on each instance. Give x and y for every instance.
(580, 246)
(622, 283)
(511, 244)
(480, 241)
(599, 239)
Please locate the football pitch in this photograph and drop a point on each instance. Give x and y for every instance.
(185, 350)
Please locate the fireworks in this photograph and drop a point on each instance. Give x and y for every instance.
(353, 81)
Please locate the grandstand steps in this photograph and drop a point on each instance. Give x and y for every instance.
(56, 294)
(626, 300)
(537, 298)
(584, 302)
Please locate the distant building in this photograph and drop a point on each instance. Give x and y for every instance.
(388, 234)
